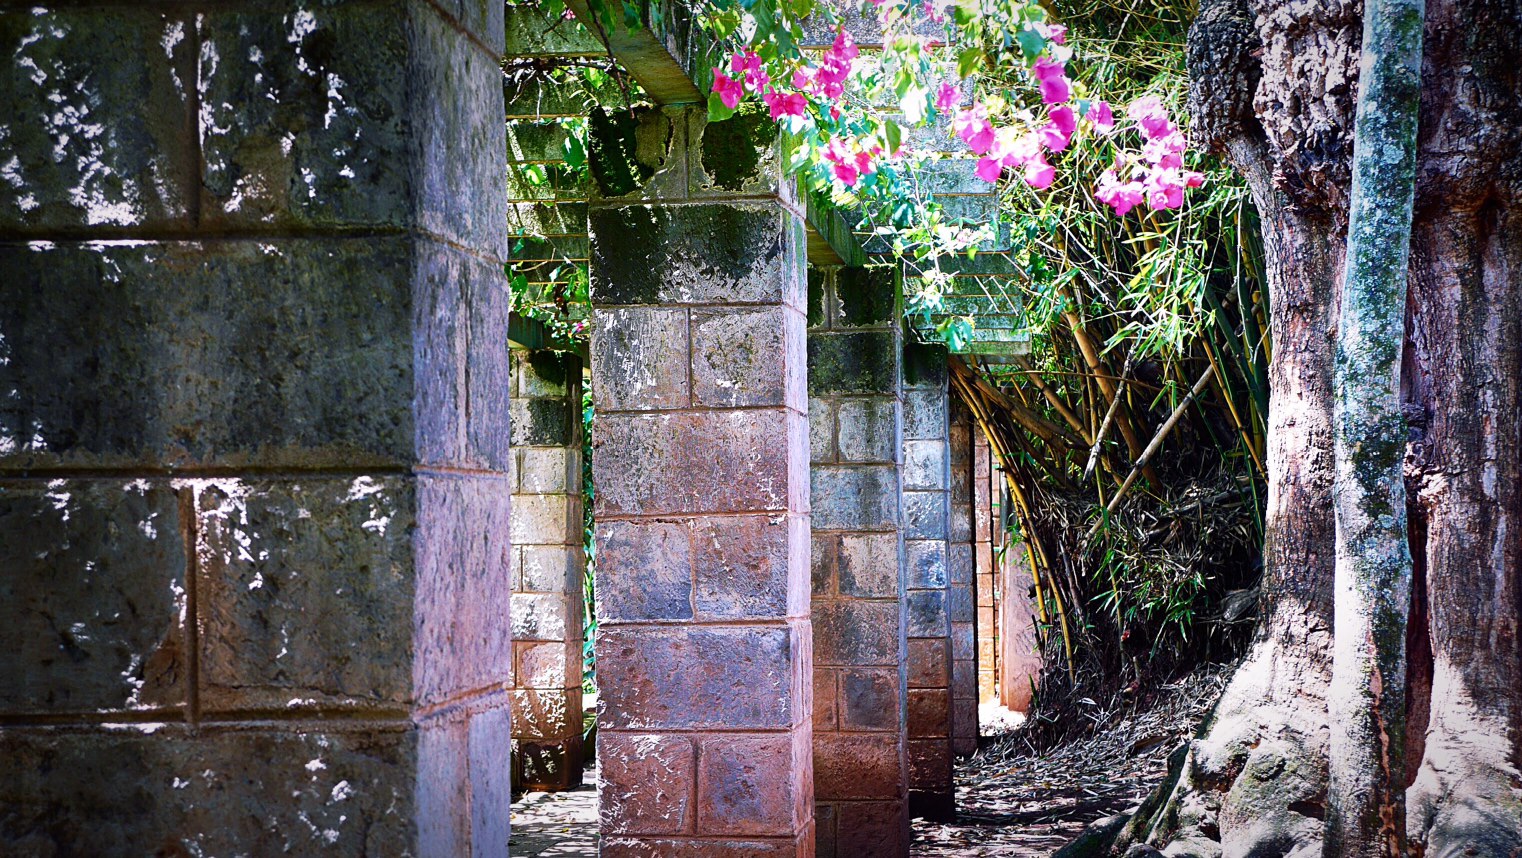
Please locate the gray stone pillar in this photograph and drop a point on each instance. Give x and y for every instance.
(701, 464)
(253, 429)
(861, 778)
(927, 528)
(962, 598)
(549, 563)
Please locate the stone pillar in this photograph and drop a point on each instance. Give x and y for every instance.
(984, 488)
(1019, 647)
(861, 778)
(927, 527)
(962, 599)
(701, 464)
(253, 429)
(548, 565)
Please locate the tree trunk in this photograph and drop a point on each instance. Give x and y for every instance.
(1272, 86)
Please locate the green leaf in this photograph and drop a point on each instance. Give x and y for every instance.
(717, 111)
(1031, 42)
(969, 60)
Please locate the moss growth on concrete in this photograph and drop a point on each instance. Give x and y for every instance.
(732, 149)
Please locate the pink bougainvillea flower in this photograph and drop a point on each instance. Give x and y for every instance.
(1102, 117)
(946, 97)
(785, 104)
(1165, 189)
(971, 124)
(803, 77)
(1058, 133)
(744, 62)
(1050, 74)
(730, 90)
(1057, 33)
(989, 169)
(1166, 150)
(1118, 195)
(1039, 174)
(1151, 116)
(1193, 179)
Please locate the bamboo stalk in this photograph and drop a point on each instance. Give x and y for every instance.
(1056, 401)
(1152, 447)
(1091, 357)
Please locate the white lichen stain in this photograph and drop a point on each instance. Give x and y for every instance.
(316, 765)
(341, 791)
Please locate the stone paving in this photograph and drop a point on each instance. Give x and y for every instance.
(557, 824)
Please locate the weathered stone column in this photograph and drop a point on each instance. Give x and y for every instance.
(861, 778)
(961, 596)
(985, 488)
(927, 528)
(548, 565)
(701, 464)
(253, 429)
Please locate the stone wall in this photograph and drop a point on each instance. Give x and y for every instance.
(858, 607)
(987, 527)
(549, 564)
(253, 429)
(927, 529)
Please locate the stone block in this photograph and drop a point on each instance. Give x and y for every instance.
(317, 363)
(647, 783)
(930, 764)
(929, 712)
(926, 368)
(549, 766)
(871, 699)
(869, 565)
(964, 724)
(852, 362)
(645, 571)
(545, 519)
(218, 791)
(963, 642)
(961, 520)
(867, 297)
(700, 678)
(443, 792)
(541, 617)
(488, 744)
(743, 357)
(302, 586)
(544, 374)
(461, 637)
(94, 581)
(750, 785)
(926, 561)
(547, 470)
(855, 497)
(929, 662)
(547, 218)
(549, 568)
(713, 253)
(750, 567)
(542, 714)
(543, 422)
(824, 563)
(699, 462)
(708, 847)
(92, 144)
(640, 358)
(635, 154)
(556, 664)
(925, 415)
(858, 765)
(869, 429)
(925, 515)
(822, 449)
(736, 156)
(856, 632)
(873, 829)
(927, 613)
(826, 699)
(925, 466)
(483, 19)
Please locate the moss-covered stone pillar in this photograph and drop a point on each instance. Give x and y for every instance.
(548, 565)
(701, 462)
(962, 600)
(253, 429)
(927, 529)
(861, 778)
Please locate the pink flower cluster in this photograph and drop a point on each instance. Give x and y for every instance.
(1159, 178)
(1007, 147)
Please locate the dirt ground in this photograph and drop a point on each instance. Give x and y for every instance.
(1013, 800)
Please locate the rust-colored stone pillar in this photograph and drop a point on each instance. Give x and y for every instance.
(927, 527)
(860, 766)
(962, 599)
(701, 461)
(984, 490)
(1019, 650)
(548, 565)
(253, 429)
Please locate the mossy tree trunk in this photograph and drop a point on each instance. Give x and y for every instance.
(1366, 703)
(1273, 87)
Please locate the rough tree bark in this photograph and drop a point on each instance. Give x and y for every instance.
(1366, 702)
(1272, 87)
